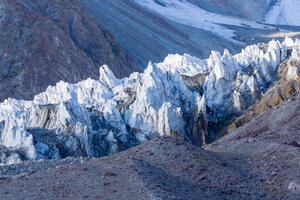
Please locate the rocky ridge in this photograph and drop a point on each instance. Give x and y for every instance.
(183, 95)
(43, 42)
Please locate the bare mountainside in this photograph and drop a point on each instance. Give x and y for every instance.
(43, 42)
(152, 29)
(258, 161)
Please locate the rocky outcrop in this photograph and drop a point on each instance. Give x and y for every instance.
(269, 144)
(272, 98)
(287, 84)
(43, 42)
(181, 96)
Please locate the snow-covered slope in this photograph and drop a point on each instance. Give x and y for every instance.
(150, 36)
(150, 30)
(209, 15)
(189, 14)
(178, 96)
(284, 12)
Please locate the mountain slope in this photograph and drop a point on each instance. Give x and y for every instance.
(271, 142)
(149, 36)
(150, 30)
(43, 42)
(284, 12)
(189, 14)
(246, 9)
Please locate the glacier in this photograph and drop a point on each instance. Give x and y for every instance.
(182, 95)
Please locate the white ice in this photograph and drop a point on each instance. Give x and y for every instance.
(144, 105)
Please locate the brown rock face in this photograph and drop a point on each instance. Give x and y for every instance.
(281, 91)
(43, 42)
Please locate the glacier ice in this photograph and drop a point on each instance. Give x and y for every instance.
(181, 95)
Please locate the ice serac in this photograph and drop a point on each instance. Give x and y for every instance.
(182, 95)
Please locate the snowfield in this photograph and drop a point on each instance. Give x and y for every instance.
(105, 116)
(285, 12)
(186, 13)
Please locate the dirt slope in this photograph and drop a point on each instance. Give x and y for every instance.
(259, 160)
(165, 168)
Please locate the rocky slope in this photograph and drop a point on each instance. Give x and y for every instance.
(43, 42)
(270, 141)
(149, 36)
(150, 30)
(183, 95)
(164, 168)
(258, 161)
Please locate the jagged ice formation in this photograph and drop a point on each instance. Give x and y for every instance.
(181, 95)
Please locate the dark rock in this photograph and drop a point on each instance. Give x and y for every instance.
(110, 174)
(43, 42)
(295, 144)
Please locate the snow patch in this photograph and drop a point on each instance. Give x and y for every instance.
(284, 12)
(186, 13)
